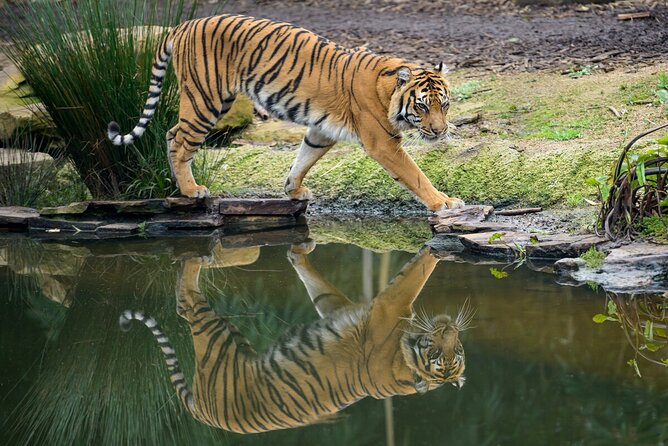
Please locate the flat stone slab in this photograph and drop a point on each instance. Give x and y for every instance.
(457, 220)
(105, 219)
(633, 268)
(532, 246)
(16, 216)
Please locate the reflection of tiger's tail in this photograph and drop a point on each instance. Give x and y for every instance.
(175, 374)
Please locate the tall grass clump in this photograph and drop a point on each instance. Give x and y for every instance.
(26, 174)
(89, 62)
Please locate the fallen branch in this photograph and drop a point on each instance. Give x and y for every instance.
(634, 15)
(520, 211)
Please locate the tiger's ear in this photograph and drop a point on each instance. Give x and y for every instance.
(403, 75)
(441, 68)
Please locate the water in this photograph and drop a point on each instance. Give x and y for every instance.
(538, 370)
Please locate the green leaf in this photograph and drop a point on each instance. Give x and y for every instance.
(498, 274)
(600, 318)
(665, 361)
(633, 363)
(662, 95)
(612, 308)
(496, 236)
(664, 140)
(649, 332)
(534, 240)
(652, 347)
(640, 173)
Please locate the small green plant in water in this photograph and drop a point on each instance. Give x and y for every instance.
(498, 274)
(593, 258)
(643, 318)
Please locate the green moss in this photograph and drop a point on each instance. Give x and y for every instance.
(593, 258)
(655, 228)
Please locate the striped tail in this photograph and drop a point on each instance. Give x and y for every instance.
(158, 72)
(175, 374)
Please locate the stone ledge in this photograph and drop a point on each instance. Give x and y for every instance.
(107, 219)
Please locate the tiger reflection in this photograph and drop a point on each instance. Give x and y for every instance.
(380, 349)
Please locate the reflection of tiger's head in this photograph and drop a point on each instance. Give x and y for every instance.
(421, 101)
(433, 351)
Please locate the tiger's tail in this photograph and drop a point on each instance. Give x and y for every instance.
(175, 374)
(158, 72)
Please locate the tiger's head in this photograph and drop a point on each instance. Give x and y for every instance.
(420, 101)
(433, 351)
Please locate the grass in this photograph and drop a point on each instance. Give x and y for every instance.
(593, 258)
(88, 69)
(26, 174)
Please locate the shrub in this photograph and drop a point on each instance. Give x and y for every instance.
(89, 62)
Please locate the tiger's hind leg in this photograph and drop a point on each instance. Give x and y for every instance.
(313, 147)
(171, 154)
(196, 118)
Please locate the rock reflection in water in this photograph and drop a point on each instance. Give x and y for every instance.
(381, 349)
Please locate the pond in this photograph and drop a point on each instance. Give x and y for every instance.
(327, 319)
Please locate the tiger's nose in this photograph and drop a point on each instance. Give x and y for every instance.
(437, 129)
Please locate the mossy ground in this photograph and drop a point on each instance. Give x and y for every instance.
(539, 137)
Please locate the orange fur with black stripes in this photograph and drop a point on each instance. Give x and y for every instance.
(293, 74)
(313, 371)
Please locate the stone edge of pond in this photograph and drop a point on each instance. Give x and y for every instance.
(156, 217)
(466, 235)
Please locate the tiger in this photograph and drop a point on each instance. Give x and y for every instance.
(315, 370)
(298, 76)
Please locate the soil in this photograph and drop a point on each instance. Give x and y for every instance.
(485, 34)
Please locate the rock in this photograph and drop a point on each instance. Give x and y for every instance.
(23, 118)
(16, 216)
(633, 268)
(11, 160)
(445, 221)
(561, 245)
(506, 244)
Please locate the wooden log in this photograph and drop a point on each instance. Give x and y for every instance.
(634, 15)
(518, 211)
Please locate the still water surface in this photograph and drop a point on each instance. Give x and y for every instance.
(537, 369)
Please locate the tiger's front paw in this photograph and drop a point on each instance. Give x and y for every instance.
(197, 192)
(450, 203)
(301, 193)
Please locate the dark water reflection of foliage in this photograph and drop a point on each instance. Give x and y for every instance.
(80, 380)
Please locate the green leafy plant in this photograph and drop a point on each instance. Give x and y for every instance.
(89, 63)
(498, 274)
(584, 71)
(661, 91)
(593, 258)
(495, 236)
(637, 189)
(643, 319)
(465, 91)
